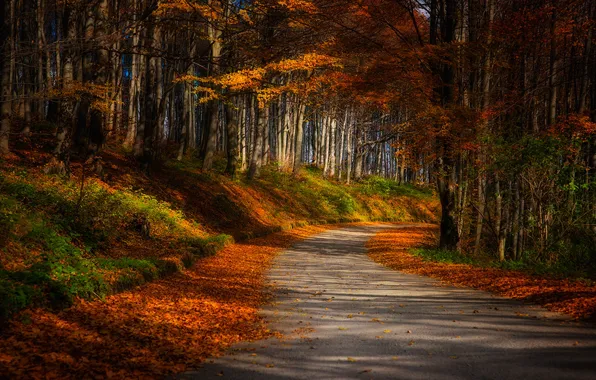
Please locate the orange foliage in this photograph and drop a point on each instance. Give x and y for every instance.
(562, 295)
(164, 327)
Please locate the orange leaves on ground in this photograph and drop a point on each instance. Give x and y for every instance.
(164, 327)
(566, 296)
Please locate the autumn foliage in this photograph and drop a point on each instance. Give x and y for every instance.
(573, 297)
(162, 328)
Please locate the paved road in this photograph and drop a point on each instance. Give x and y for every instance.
(346, 317)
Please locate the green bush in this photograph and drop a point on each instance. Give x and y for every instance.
(102, 216)
(147, 268)
(442, 256)
(207, 246)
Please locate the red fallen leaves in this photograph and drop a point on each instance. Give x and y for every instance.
(567, 296)
(161, 328)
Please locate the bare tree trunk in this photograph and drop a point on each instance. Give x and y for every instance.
(134, 89)
(486, 86)
(257, 154)
(326, 143)
(42, 47)
(342, 141)
(552, 79)
(516, 219)
(266, 147)
(8, 57)
(349, 153)
(498, 220)
(449, 237)
(583, 92)
(216, 47)
(143, 81)
(231, 118)
(211, 135)
(332, 147)
(243, 134)
(299, 137)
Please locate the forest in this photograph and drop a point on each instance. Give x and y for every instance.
(197, 122)
(492, 102)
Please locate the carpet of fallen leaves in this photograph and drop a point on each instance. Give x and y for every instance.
(158, 329)
(575, 298)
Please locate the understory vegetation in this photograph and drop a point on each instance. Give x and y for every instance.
(559, 286)
(63, 237)
(569, 267)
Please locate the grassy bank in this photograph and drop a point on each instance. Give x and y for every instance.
(87, 236)
(558, 288)
(61, 239)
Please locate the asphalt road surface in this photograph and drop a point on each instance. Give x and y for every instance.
(343, 316)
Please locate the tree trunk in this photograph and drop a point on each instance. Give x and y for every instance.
(6, 37)
(299, 137)
(332, 147)
(231, 118)
(134, 89)
(257, 154)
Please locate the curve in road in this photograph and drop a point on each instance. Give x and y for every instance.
(343, 316)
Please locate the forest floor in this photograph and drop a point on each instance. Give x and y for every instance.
(409, 250)
(113, 272)
(341, 315)
(376, 320)
(160, 328)
(107, 225)
(79, 252)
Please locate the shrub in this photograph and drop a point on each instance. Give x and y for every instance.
(208, 246)
(443, 256)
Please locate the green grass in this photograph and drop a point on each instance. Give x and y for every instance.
(388, 188)
(207, 246)
(561, 269)
(60, 234)
(443, 256)
(58, 240)
(317, 197)
(97, 216)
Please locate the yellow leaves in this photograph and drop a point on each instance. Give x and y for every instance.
(307, 62)
(299, 5)
(352, 360)
(259, 79)
(186, 6)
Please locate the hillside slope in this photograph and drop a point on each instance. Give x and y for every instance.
(109, 226)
